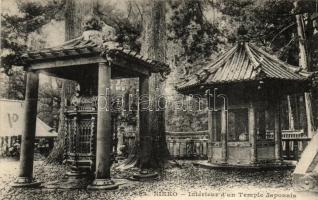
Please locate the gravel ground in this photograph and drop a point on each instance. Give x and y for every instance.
(187, 182)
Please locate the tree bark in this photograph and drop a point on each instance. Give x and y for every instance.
(304, 63)
(154, 47)
(75, 13)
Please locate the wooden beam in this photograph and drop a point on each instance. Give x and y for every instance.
(130, 66)
(66, 62)
(120, 64)
(127, 71)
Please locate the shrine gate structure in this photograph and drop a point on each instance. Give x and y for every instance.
(92, 62)
(244, 88)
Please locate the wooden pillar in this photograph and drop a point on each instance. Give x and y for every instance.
(144, 133)
(104, 134)
(278, 131)
(287, 149)
(252, 131)
(210, 131)
(25, 178)
(262, 121)
(224, 130)
(210, 125)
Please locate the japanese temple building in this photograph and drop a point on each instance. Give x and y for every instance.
(244, 88)
(92, 62)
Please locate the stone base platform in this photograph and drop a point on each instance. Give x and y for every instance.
(145, 175)
(257, 166)
(103, 184)
(25, 182)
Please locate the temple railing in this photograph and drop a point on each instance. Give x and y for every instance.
(187, 145)
(293, 143)
(194, 145)
(181, 145)
(288, 134)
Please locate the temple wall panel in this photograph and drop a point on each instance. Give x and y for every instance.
(265, 153)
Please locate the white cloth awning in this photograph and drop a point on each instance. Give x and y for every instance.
(11, 120)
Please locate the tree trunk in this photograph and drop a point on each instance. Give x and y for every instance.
(56, 155)
(154, 47)
(304, 63)
(75, 12)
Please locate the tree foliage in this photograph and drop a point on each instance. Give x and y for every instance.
(270, 23)
(15, 28)
(196, 34)
(49, 102)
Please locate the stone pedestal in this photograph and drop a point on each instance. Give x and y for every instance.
(25, 182)
(145, 175)
(103, 184)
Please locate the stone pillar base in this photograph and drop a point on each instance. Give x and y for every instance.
(102, 184)
(145, 175)
(76, 174)
(222, 162)
(279, 161)
(26, 182)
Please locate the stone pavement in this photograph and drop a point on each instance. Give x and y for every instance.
(187, 182)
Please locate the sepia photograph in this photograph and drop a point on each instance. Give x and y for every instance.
(159, 100)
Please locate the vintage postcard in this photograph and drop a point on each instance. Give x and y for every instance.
(159, 99)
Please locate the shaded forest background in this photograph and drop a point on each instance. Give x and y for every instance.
(197, 31)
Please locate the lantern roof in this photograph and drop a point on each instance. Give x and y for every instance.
(242, 63)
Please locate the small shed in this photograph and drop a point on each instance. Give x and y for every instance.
(244, 88)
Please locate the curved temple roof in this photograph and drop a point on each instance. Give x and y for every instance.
(82, 46)
(243, 62)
